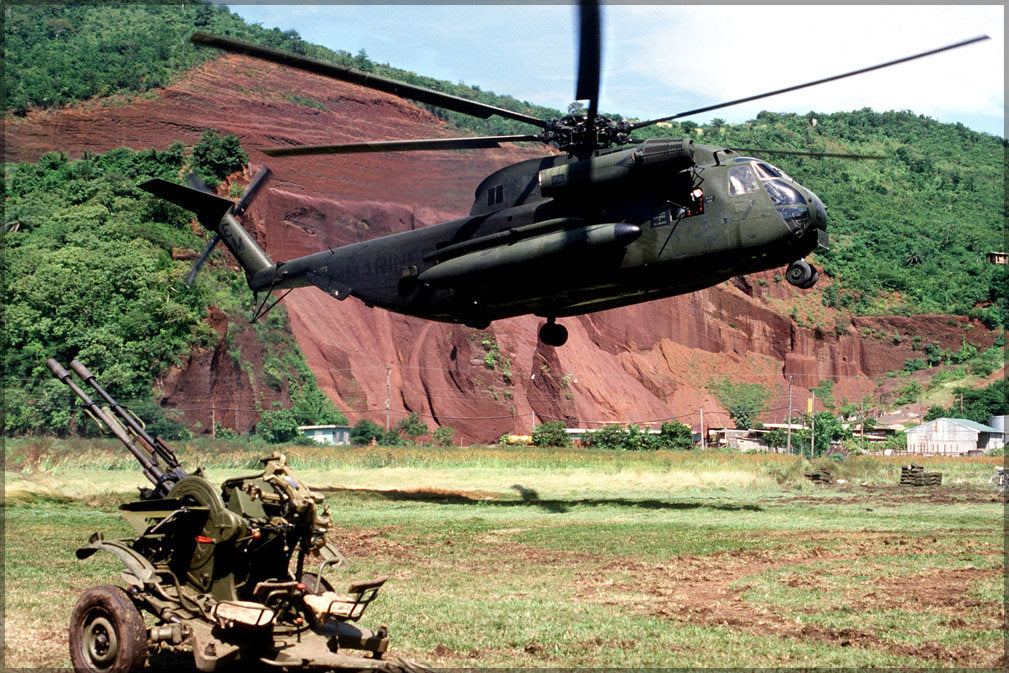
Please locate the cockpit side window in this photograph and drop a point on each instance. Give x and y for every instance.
(742, 180)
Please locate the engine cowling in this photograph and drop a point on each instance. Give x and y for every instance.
(610, 168)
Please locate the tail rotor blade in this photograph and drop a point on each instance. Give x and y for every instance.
(201, 260)
(196, 182)
(250, 192)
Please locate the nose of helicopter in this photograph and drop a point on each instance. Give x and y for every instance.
(817, 213)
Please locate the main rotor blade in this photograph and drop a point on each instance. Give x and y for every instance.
(860, 71)
(344, 74)
(483, 142)
(755, 150)
(589, 56)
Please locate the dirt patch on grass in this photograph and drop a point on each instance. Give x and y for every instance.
(357, 543)
(709, 591)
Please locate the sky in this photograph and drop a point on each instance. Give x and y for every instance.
(661, 59)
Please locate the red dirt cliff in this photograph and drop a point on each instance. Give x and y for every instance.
(644, 363)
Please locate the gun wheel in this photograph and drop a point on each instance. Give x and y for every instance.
(107, 632)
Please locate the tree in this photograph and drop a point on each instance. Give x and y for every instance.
(215, 158)
(442, 436)
(550, 434)
(675, 435)
(278, 425)
(364, 431)
(411, 427)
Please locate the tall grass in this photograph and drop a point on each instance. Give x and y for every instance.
(40, 455)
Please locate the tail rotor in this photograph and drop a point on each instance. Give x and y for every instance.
(241, 206)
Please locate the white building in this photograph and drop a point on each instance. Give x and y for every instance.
(953, 437)
(338, 435)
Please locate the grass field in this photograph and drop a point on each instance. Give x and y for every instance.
(515, 557)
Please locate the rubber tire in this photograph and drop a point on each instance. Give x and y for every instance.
(799, 273)
(812, 279)
(100, 612)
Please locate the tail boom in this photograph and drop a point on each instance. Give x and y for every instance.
(217, 214)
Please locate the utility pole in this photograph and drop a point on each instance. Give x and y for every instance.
(812, 424)
(704, 443)
(788, 420)
(862, 433)
(388, 372)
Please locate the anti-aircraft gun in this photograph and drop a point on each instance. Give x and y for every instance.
(235, 574)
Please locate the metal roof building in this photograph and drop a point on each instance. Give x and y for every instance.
(953, 437)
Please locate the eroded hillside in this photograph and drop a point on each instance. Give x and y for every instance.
(644, 363)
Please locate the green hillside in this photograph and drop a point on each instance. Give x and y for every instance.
(58, 54)
(88, 274)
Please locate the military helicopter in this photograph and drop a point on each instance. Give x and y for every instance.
(609, 222)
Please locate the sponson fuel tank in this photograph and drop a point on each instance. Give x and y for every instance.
(530, 251)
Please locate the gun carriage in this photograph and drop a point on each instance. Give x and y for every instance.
(235, 574)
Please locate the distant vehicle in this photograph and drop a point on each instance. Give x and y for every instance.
(611, 222)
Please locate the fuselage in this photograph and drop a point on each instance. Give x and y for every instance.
(566, 235)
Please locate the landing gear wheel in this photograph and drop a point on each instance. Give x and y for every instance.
(553, 334)
(107, 632)
(802, 274)
(812, 281)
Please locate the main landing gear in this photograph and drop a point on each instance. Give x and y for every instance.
(553, 334)
(802, 274)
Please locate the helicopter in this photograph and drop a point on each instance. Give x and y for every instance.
(607, 222)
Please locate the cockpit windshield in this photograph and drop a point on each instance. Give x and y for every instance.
(783, 194)
(743, 179)
(766, 171)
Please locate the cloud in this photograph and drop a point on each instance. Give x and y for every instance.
(722, 53)
(659, 60)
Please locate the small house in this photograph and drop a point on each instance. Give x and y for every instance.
(953, 437)
(336, 435)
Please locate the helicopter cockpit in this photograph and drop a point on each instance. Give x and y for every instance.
(748, 175)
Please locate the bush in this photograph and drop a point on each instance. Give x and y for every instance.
(443, 435)
(364, 431)
(411, 427)
(278, 425)
(215, 158)
(745, 402)
(550, 434)
(674, 435)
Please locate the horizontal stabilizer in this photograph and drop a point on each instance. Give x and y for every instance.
(208, 207)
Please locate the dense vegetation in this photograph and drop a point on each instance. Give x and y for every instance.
(975, 405)
(58, 54)
(88, 274)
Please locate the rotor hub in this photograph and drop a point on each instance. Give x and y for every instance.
(576, 134)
